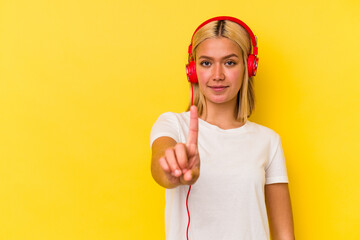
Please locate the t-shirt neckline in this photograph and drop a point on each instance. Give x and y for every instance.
(240, 129)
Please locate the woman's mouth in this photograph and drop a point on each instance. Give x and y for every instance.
(218, 88)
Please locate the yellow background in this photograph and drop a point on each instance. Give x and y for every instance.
(82, 82)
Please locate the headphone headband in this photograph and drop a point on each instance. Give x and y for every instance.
(238, 21)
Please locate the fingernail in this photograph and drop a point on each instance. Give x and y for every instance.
(177, 172)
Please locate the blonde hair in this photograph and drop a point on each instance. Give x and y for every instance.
(224, 28)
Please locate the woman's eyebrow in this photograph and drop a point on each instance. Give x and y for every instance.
(227, 56)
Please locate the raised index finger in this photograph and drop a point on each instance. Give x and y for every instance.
(194, 126)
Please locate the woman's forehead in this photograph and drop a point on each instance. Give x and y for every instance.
(218, 46)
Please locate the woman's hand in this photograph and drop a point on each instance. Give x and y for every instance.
(181, 163)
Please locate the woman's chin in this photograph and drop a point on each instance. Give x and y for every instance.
(218, 100)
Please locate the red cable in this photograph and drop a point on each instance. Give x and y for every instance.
(187, 197)
(187, 208)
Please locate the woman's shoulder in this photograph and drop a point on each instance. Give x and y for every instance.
(174, 118)
(173, 115)
(263, 130)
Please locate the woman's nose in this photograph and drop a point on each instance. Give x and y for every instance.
(218, 72)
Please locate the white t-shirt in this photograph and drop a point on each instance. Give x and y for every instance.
(227, 201)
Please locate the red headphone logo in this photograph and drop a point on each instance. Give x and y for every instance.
(252, 61)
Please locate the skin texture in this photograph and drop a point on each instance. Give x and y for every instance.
(220, 71)
(278, 207)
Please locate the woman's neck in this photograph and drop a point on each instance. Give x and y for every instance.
(221, 115)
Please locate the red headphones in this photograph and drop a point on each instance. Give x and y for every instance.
(252, 61)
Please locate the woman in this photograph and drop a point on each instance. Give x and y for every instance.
(241, 186)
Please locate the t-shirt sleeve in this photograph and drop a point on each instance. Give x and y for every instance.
(165, 125)
(275, 171)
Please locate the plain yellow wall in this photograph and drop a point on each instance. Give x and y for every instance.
(82, 82)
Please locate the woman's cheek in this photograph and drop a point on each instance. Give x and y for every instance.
(203, 75)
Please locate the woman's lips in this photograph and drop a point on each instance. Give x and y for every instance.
(218, 88)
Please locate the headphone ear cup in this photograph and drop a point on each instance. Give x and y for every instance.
(191, 72)
(252, 64)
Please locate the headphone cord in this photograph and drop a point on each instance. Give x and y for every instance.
(187, 208)
(187, 197)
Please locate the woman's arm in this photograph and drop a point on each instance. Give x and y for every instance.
(279, 211)
(158, 150)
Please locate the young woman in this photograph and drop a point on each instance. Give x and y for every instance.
(234, 168)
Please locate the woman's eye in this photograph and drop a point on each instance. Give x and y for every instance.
(205, 63)
(230, 63)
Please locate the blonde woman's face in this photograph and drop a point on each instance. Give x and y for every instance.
(220, 70)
